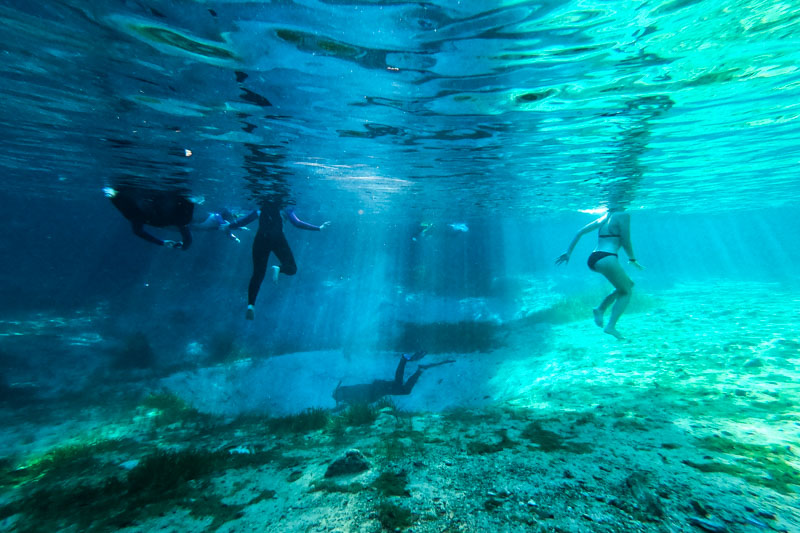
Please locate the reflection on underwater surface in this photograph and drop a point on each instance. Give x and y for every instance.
(453, 106)
(452, 145)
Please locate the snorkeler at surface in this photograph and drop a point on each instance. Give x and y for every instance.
(367, 393)
(156, 208)
(270, 239)
(614, 232)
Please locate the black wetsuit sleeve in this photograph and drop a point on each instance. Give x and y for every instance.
(297, 223)
(139, 231)
(243, 221)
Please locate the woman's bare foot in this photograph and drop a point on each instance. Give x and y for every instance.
(613, 331)
(598, 317)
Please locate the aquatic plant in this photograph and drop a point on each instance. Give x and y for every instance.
(165, 471)
(478, 447)
(360, 414)
(394, 517)
(763, 465)
(391, 483)
(549, 441)
(170, 409)
(392, 447)
(63, 462)
(159, 482)
(311, 419)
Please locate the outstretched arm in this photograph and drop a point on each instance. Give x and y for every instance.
(564, 258)
(243, 221)
(297, 223)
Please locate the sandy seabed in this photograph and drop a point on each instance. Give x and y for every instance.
(691, 424)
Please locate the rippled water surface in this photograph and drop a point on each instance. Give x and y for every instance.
(468, 105)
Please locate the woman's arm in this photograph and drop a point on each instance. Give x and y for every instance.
(245, 220)
(564, 258)
(297, 223)
(625, 235)
(625, 239)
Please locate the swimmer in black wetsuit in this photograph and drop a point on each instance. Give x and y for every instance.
(155, 208)
(270, 239)
(614, 232)
(367, 393)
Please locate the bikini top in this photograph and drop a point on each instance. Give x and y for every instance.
(608, 235)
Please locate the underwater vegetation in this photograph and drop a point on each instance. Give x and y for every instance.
(549, 441)
(394, 517)
(167, 408)
(315, 419)
(478, 447)
(392, 483)
(312, 419)
(759, 464)
(159, 481)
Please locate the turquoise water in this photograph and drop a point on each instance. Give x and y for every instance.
(456, 148)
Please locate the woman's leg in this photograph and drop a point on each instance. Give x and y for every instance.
(600, 310)
(261, 250)
(280, 247)
(612, 270)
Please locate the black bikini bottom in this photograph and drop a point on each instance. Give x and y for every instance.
(597, 256)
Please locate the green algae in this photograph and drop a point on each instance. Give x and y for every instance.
(767, 465)
(167, 408)
(62, 462)
(391, 483)
(549, 441)
(394, 517)
(478, 447)
(160, 482)
(392, 446)
(312, 419)
(361, 414)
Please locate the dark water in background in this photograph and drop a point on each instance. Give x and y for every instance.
(509, 117)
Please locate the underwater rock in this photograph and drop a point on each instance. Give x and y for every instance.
(353, 462)
(385, 423)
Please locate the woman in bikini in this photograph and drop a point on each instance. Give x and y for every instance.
(614, 232)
